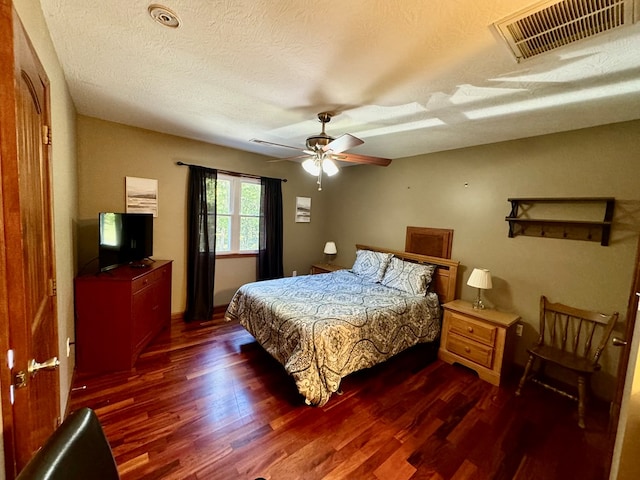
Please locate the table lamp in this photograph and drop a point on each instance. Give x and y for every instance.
(480, 278)
(330, 250)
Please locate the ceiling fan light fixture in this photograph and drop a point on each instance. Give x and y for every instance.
(311, 166)
(329, 167)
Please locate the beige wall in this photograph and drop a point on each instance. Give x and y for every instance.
(109, 152)
(467, 190)
(63, 155)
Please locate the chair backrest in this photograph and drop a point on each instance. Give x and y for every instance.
(78, 449)
(580, 332)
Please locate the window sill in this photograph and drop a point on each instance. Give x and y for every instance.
(220, 256)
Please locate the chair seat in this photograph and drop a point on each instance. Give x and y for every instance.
(566, 359)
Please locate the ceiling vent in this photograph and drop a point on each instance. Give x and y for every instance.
(552, 24)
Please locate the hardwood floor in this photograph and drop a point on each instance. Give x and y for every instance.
(209, 403)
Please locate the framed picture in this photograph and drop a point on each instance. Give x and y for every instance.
(303, 209)
(142, 195)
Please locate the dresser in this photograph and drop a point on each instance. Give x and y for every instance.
(118, 313)
(481, 340)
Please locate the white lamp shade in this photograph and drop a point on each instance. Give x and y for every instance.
(311, 166)
(330, 248)
(329, 167)
(480, 278)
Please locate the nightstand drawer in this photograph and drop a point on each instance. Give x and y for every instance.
(478, 331)
(476, 352)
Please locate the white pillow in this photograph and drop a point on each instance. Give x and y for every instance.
(410, 277)
(371, 265)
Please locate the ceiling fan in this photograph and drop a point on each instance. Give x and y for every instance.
(322, 151)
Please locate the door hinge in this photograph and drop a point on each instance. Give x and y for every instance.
(46, 135)
(53, 287)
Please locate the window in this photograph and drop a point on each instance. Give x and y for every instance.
(238, 214)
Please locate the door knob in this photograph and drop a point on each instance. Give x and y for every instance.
(50, 364)
(618, 342)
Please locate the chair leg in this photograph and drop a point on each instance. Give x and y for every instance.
(582, 397)
(525, 375)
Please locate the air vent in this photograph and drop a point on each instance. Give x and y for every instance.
(552, 24)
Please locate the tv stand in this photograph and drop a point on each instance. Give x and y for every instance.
(117, 315)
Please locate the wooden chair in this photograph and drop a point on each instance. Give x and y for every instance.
(573, 339)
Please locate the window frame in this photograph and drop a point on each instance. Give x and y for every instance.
(235, 216)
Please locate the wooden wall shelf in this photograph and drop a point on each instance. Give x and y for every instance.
(594, 231)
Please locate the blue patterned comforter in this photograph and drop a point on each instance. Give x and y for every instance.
(323, 327)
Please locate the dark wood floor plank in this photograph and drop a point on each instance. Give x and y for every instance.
(209, 402)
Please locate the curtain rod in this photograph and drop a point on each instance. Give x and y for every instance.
(237, 174)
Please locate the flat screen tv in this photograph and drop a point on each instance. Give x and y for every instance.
(125, 238)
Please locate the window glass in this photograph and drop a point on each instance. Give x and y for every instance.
(238, 214)
(250, 199)
(223, 197)
(249, 233)
(223, 233)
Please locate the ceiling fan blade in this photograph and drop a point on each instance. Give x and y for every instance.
(350, 157)
(342, 143)
(297, 157)
(264, 142)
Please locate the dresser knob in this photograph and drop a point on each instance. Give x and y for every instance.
(470, 329)
(467, 349)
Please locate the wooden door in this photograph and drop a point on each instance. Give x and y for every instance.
(628, 391)
(626, 463)
(30, 394)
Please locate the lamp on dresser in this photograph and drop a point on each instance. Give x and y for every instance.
(480, 278)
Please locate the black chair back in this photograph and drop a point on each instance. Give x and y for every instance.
(78, 449)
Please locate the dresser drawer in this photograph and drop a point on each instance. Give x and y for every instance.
(149, 279)
(476, 352)
(478, 331)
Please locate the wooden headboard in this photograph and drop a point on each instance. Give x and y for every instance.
(435, 242)
(444, 282)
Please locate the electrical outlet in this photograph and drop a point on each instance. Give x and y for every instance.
(295, 273)
(68, 347)
(519, 329)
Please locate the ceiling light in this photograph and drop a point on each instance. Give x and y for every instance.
(164, 16)
(311, 166)
(329, 167)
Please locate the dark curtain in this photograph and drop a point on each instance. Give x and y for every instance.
(201, 243)
(270, 253)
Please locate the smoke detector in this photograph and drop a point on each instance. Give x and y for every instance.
(164, 16)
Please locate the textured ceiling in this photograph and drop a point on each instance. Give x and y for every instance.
(406, 76)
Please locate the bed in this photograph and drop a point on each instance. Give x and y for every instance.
(323, 327)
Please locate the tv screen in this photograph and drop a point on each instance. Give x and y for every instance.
(125, 238)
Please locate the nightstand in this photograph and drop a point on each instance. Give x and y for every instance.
(324, 268)
(478, 339)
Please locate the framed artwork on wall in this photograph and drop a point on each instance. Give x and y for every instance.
(141, 195)
(303, 209)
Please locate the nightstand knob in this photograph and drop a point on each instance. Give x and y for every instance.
(467, 349)
(470, 329)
